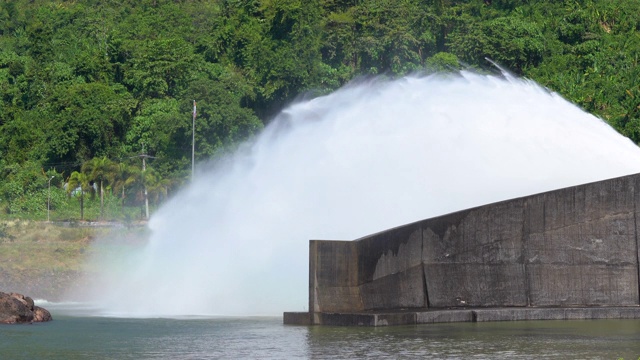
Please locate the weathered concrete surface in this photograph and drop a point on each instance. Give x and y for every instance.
(570, 248)
(298, 318)
(333, 284)
(581, 245)
(474, 257)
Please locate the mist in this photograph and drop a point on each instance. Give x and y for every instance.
(373, 155)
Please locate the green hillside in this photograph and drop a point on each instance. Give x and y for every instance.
(88, 87)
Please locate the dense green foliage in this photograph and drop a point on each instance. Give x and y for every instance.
(84, 82)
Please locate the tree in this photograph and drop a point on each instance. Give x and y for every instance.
(81, 181)
(90, 120)
(443, 62)
(101, 170)
(92, 79)
(124, 176)
(222, 121)
(154, 127)
(144, 179)
(158, 187)
(513, 42)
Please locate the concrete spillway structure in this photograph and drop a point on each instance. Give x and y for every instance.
(565, 254)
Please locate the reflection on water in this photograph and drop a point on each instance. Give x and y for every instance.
(587, 339)
(69, 337)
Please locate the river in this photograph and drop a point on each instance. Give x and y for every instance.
(75, 335)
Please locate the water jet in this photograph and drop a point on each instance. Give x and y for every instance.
(371, 156)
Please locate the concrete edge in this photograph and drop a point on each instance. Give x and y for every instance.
(408, 317)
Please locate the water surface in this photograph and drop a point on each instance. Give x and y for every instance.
(83, 337)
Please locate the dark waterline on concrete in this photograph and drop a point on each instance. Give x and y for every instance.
(461, 315)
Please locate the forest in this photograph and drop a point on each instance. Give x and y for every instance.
(89, 89)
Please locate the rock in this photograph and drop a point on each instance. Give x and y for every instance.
(27, 301)
(19, 309)
(41, 314)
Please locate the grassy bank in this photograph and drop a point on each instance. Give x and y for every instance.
(43, 260)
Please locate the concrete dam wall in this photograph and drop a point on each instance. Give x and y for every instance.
(567, 251)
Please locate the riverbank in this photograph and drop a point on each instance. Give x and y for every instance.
(44, 259)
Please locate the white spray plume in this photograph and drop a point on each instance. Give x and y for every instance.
(368, 157)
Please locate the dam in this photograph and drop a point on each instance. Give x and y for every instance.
(570, 253)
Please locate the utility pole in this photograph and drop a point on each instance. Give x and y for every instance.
(49, 198)
(193, 142)
(146, 197)
(144, 156)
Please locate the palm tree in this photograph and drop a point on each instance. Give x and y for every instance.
(100, 170)
(144, 178)
(159, 187)
(82, 181)
(124, 176)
